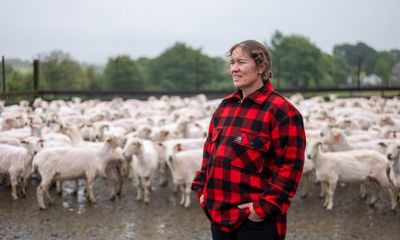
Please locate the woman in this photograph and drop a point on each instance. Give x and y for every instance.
(254, 153)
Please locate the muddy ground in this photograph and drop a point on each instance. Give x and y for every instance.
(73, 218)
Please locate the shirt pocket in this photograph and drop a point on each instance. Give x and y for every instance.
(250, 150)
(214, 140)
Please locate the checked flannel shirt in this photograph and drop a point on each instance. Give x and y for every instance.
(254, 152)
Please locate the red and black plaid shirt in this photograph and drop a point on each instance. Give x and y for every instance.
(254, 152)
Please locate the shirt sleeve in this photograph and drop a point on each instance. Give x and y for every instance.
(200, 177)
(288, 142)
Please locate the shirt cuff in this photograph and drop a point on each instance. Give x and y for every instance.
(259, 210)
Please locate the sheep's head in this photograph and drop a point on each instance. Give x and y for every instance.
(393, 151)
(131, 147)
(33, 144)
(315, 147)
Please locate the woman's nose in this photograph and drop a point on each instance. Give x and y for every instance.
(234, 67)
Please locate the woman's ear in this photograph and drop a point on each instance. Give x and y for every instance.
(261, 69)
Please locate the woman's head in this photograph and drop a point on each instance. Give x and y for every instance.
(259, 53)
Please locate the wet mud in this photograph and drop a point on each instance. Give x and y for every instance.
(72, 217)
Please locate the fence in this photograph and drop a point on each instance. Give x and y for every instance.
(101, 94)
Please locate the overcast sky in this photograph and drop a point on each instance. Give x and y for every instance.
(94, 30)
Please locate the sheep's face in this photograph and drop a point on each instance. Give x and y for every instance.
(314, 149)
(132, 147)
(145, 132)
(393, 151)
(33, 144)
(332, 137)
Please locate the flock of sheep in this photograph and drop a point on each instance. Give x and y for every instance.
(348, 140)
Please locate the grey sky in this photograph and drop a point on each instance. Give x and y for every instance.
(93, 30)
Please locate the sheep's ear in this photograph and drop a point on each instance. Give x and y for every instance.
(382, 144)
(178, 147)
(337, 136)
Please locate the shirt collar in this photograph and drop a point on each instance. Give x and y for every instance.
(258, 96)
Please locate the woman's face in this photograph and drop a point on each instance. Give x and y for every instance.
(245, 73)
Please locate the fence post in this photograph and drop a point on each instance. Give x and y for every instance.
(3, 66)
(35, 77)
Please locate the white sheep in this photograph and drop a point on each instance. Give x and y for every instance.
(167, 150)
(69, 163)
(183, 168)
(144, 162)
(17, 162)
(349, 166)
(393, 171)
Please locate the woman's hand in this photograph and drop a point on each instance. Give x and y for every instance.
(253, 215)
(201, 199)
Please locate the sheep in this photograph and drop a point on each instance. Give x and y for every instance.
(69, 163)
(167, 151)
(336, 140)
(10, 141)
(17, 161)
(393, 171)
(183, 168)
(144, 162)
(307, 174)
(349, 166)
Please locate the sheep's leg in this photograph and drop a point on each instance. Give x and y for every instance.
(121, 173)
(23, 187)
(40, 197)
(188, 190)
(59, 186)
(90, 187)
(163, 181)
(76, 187)
(393, 198)
(330, 193)
(323, 187)
(48, 197)
(181, 188)
(375, 192)
(138, 186)
(147, 188)
(306, 182)
(363, 190)
(115, 179)
(42, 190)
(14, 185)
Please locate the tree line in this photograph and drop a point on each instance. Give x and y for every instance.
(296, 62)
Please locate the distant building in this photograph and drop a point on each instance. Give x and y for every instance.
(371, 80)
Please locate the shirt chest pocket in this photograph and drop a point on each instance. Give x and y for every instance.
(250, 150)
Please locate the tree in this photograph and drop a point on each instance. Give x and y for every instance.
(122, 73)
(59, 71)
(182, 68)
(383, 66)
(336, 71)
(353, 54)
(17, 80)
(298, 62)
